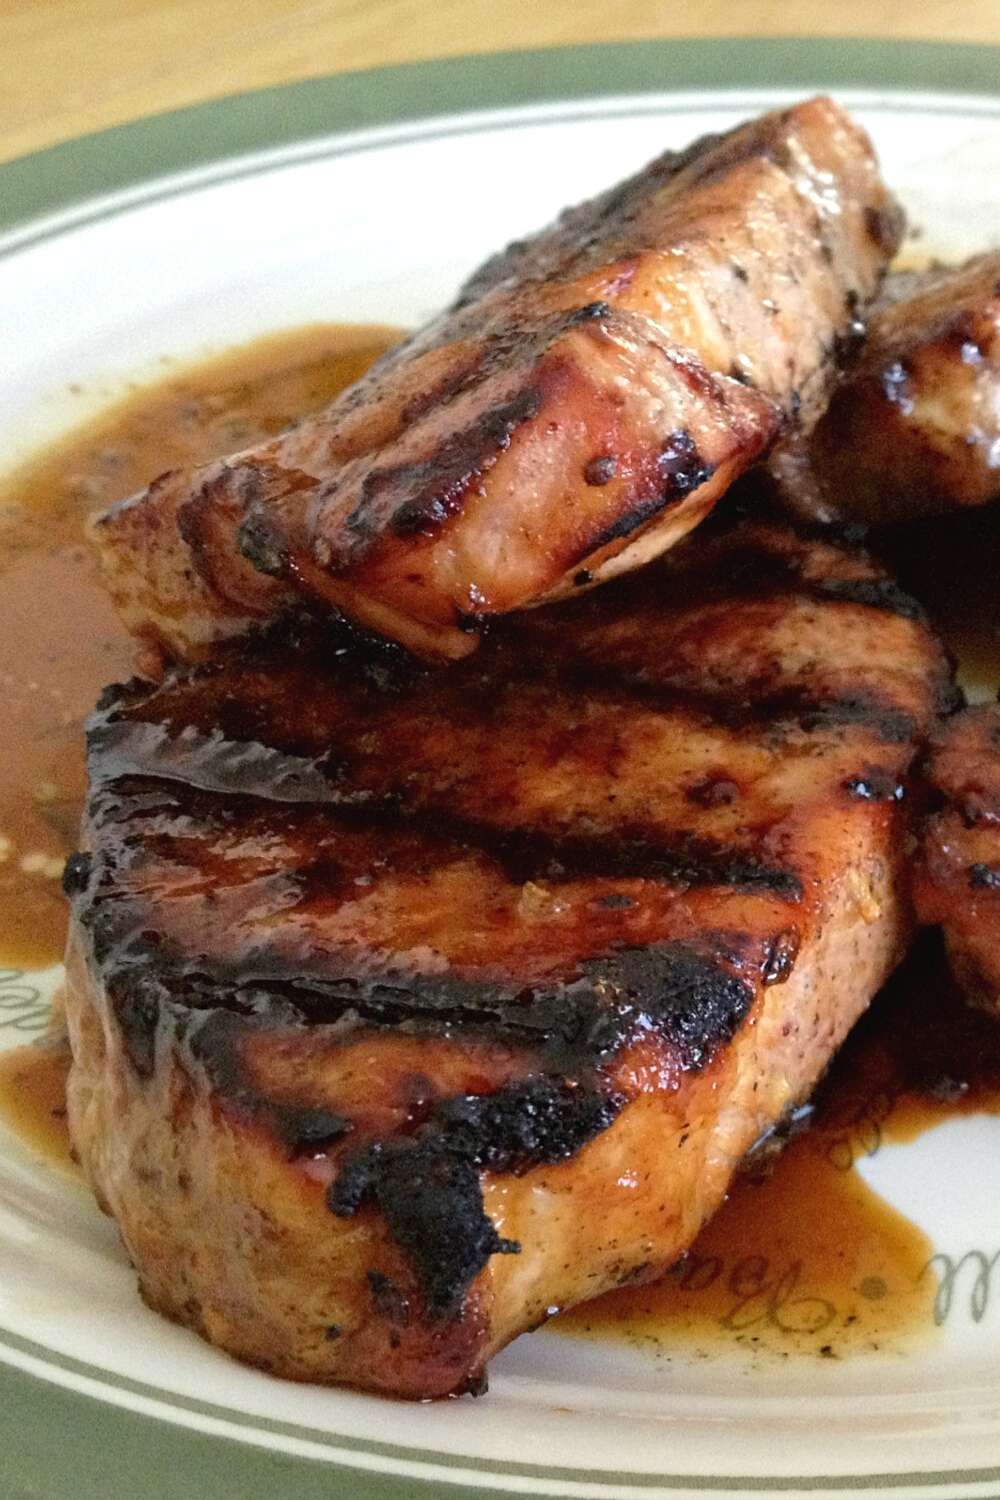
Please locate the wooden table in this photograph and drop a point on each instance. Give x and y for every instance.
(71, 66)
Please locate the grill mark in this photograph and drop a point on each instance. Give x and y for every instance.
(124, 739)
(693, 996)
(423, 495)
(624, 853)
(768, 577)
(300, 1128)
(459, 378)
(119, 751)
(254, 488)
(513, 342)
(432, 1201)
(753, 572)
(428, 1187)
(738, 706)
(636, 516)
(892, 725)
(874, 593)
(430, 832)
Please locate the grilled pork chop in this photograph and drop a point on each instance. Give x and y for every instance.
(914, 430)
(582, 405)
(957, 882)
(408, 1006)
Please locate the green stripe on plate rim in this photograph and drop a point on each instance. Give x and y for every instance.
(58, 1442)
(117, 159)
(607, 1479)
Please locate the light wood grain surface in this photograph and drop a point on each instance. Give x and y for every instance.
(71, 66)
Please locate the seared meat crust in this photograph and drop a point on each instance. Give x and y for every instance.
(914, 429)
(409, 1005)
(586, 401)
(957, 873)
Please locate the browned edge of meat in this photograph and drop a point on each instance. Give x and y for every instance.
(586, 401)
(957, 871)
(410, 1005)
(914, 429)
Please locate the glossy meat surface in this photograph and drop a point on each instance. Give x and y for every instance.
(914, 429)
(408, 1005)
(586, 401)
(957, 874)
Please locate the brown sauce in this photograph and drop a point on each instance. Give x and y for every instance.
(803, 1257)
(33, 1097)
(807, 1259)
(60, 642)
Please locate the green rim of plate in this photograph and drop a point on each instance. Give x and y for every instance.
(120, 158)
(60, 1444)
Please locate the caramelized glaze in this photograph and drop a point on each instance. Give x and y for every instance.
(60, 642)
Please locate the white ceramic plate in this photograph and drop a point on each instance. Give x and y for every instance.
(368, 198)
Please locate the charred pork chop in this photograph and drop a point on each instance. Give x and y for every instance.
(958, 871)
(914, 430)
(409, 1005)
(585, 402)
